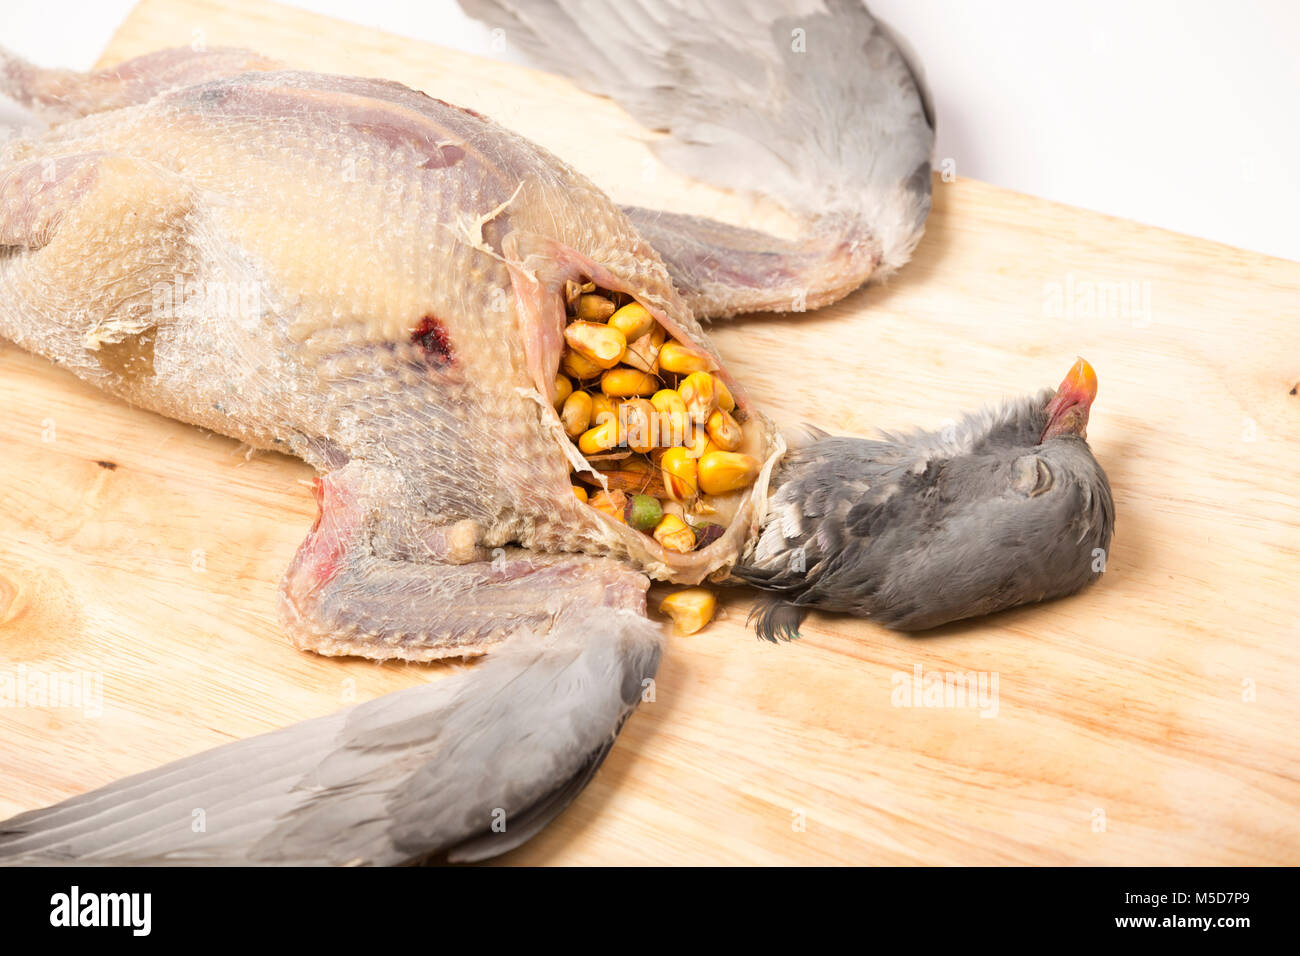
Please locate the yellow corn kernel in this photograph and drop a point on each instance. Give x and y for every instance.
(723, 471)
(627, 382)
(698, 396)
(680, 474)
(563, 389)
(698, 443)
(579, 492)
(636, 425)
(724, 431)
(674, 423)
(579, 366)
(675, 534)
(598, 343)
(632, 320)
(643, 354)
(571, 292)
(601, 438)
(576, 414)
(613, 503)
(682, 360)
(603, 409)
(594, 308)
(725, 400)
(690, 609)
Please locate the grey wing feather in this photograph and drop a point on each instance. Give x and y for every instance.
(415, 774)
(819, 108)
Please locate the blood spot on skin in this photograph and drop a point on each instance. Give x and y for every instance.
(431, 336)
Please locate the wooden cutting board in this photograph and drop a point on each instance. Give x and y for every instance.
(1151, 719)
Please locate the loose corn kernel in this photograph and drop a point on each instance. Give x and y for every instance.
(690, 609)
(601, 438)
(579, 366)
(723, 471)
(632, 320)
(680, 474)
(603, 409)
(599, 344)
(612, 503)
(724, 431)
(675, 534)
(627, 382)
(725, 400)
(682, 360)
(579, 492)
(563, 389)
(674, 422)
(576, 414)
(636, 421)
(698, 396)
(594, 308)
(643, 354)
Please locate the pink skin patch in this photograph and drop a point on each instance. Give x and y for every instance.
(37, 194)
(320, 556)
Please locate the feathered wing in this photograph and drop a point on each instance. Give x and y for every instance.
(818, 108)
(463, 768)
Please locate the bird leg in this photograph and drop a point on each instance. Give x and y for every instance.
(370, 581)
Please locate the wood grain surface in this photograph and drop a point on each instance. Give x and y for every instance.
(1151, 719)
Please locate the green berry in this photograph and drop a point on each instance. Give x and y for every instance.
(643, 512)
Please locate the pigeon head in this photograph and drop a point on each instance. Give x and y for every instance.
(1006, 507)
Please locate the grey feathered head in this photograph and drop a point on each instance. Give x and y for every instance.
(1006, 508)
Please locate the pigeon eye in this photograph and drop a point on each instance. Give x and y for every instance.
(1031, 476)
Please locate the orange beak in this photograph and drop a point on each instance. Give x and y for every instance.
(1067, 412)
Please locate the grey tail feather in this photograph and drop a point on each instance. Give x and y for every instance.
(825, 110)
(776, 620)
(460, 769)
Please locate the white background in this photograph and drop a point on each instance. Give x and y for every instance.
(1181, 114)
